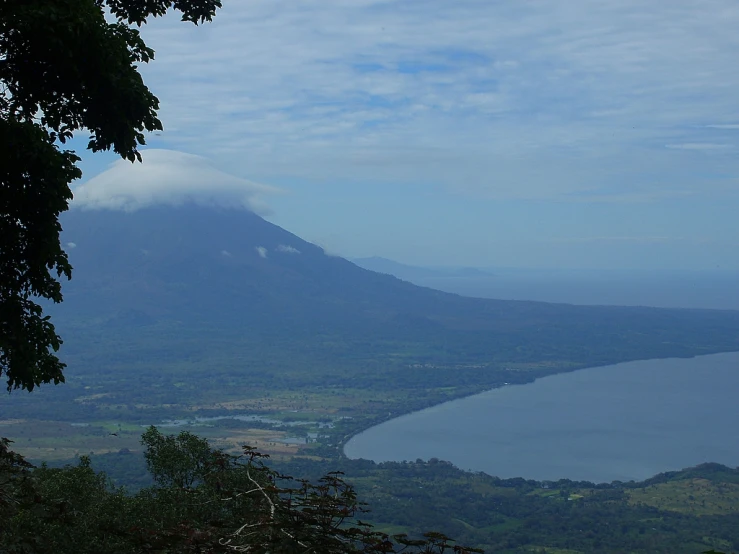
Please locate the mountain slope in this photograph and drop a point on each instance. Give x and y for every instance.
(397, 269)
(162, 275)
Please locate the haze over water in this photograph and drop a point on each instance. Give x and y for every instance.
(621, 422)
(665, 289)
(712, 289)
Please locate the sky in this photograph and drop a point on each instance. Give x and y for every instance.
(594, 134)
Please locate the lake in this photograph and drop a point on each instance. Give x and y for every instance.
(620, 422)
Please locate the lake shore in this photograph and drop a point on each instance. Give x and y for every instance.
(609, 439)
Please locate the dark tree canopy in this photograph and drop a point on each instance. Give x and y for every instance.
(64, 68)
(204, 500)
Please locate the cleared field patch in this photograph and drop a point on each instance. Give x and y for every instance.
(54, 441)
(267, 441)
(690, 496)
(59, 441)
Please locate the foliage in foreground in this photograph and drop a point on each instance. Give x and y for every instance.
(64, 67)
(204, 500)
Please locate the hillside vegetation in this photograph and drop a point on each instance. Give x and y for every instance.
(195, 496)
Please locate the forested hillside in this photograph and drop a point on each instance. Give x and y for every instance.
(195, 496)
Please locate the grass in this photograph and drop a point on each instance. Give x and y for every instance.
(389, 529)
(551, 550)
(508, 525)
(104, 414)
(54, 441)
(690, 496)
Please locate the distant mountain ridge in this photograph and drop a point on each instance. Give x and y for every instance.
(397, 269)
(667, 288)
(413, 272)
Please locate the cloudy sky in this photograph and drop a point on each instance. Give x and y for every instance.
(585, 133)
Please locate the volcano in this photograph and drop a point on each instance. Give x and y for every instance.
(162, 273)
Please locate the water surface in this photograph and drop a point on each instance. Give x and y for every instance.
(620, 422)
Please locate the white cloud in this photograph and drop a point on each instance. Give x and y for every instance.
(262, 251)
(71, 245)
(172, 178)
(471, 94)
(226, 254)
(288, 249)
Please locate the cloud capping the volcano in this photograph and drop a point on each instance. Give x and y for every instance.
(172, 178)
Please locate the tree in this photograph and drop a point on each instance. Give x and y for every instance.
(180, 461)
(235, 504)
(65, 66)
